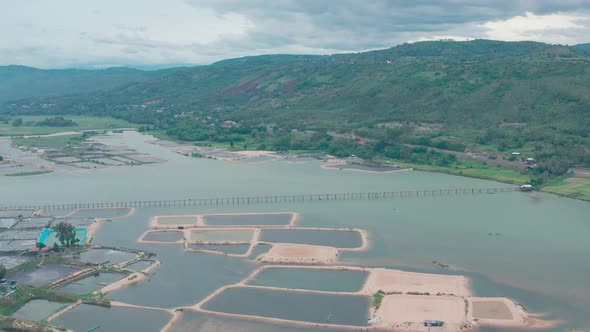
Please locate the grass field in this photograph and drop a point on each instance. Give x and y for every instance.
(84, 123)
(575, 187)
(474, 170)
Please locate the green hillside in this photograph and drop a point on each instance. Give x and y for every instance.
(482, 96)
(18, 82)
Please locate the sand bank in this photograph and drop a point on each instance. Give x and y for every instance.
(390, 281)
(300, 254)
(503, 312)
(410, 311)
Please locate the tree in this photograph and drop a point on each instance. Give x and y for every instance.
(3, 271)
(1, 158)
(55, 246)
(66, 233)
(17, 122)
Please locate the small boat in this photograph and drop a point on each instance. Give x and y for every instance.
(93, 329)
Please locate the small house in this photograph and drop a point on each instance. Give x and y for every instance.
(526, 187)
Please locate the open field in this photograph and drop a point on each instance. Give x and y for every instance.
(574, 187)
(84, 123)
(474, 170)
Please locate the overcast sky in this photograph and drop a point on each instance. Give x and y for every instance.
(104, 33)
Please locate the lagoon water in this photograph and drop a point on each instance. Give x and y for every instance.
(311, 279)
(331, 238)
(541, 257)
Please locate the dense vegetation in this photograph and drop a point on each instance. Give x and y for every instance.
(483, 96)
(17, 82)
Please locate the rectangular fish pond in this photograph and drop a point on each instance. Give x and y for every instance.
(290, 305)
(91, 283)
(106, 256)
(103, 213)
(48, 237)
(311, 279)
(331, 238)
(272, 219)
(188, 220)
(44, 274)
(221, 235)
(163, 236)
(87, 317)
(37, 310)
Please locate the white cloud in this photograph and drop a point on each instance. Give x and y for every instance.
(552, 28)
(66, 33)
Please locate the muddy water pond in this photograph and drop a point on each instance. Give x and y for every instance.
(85, 317)
(91, 283)
(338, 239)
(106, 256)
(44, 274)
(37, 310)
(311, 279)
(164, 236)
(289, 305)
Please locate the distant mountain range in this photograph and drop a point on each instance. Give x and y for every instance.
(585, 47)
(18, 82)
(502, 94)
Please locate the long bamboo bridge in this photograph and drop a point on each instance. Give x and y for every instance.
(267, 199)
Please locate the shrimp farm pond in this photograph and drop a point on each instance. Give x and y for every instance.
(338, 261)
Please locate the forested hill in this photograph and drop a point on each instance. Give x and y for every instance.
(585, 47)
(496, 95)
(18, 82)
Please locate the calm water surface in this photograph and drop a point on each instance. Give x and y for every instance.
(540, 256)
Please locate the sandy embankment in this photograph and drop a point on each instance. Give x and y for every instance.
(63, 311)
(288, 253)
(130, 279)
(392, 281)
(408, 312)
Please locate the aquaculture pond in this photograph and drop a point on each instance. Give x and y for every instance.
(221, 235)
(191, 321)
(106, 256)
(163, 236)
(38, 310)
(290, 305)
(311, 279)
(44, 274)
(236, 249)
(106, 213)
(91, 283)
(86, 317)
(545, 270)
(249, 219)
(339, 239)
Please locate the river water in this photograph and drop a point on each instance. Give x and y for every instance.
(529, 247)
